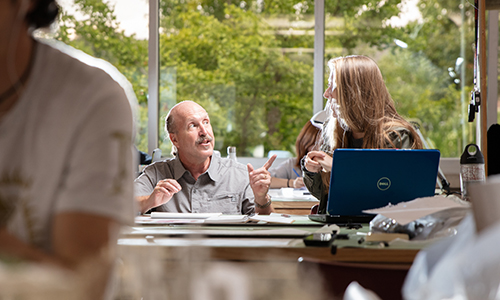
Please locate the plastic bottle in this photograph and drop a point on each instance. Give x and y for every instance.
(156, 156)
(471, 168)
(231, 153)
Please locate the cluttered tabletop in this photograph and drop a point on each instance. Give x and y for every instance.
(284, 236)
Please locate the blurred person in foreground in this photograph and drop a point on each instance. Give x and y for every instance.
(66, 134)
(197, 179)
(289, 173)
(360, 114)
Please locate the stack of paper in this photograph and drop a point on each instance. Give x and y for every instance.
(406, 212)
(273, 218)
(170, 215)
(227, 219)
(214, 218)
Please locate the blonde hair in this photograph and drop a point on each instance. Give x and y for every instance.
(365, 105)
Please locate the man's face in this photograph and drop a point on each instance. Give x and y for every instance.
(193, 134)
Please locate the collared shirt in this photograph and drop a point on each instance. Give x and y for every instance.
(224, 187)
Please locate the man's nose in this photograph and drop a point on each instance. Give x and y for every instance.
(203, 131)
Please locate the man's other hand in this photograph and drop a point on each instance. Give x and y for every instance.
(162, 193)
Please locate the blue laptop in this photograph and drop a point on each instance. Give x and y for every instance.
(371, 178)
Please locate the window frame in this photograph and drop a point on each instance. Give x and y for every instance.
(154, 67)
(451, 165)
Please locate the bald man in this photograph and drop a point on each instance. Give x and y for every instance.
(197, 179)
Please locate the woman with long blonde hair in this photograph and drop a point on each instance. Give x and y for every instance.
(360, 114)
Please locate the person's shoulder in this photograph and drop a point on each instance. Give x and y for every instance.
(160, 168)
(74, 60)
(286, 163)
(397, 131)
(75, 64)
(402, 130)
(161, 164)
(401, 137)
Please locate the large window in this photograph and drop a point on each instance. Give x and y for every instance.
(250, 63)
(116, 31)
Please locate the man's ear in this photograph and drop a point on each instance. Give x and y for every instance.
(173, 139)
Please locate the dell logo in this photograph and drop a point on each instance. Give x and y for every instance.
(383, 183)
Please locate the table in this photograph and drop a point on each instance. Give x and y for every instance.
(161, 259)
(299, 203)
(249, 248)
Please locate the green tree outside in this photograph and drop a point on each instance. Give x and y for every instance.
(231, 58)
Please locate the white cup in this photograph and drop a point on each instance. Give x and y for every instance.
(287, 192)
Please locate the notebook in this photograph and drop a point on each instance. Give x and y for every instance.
(372, 178)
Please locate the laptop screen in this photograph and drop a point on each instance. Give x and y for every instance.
(372, 178)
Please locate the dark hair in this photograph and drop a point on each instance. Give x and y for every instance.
(44, 12)
(305, 140)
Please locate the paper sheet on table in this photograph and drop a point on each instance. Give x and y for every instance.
(296, 194)
(197, 232)
(147, 220)
(273, 218)
(187, 216)
(227, 219)
(406, 212)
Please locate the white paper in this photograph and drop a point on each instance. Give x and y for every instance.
(207, 231)
(227, 219)
(406, 212)
(143, 220)
(275, 218)
(291, 194)
(170, 215)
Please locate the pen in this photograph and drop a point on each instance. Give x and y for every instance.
(296, 173)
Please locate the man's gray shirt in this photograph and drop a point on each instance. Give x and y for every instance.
(223, 188)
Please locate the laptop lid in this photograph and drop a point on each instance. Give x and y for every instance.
(372, 178)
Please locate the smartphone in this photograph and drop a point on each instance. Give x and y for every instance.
(319, 239)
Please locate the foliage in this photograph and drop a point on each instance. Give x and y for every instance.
(438, 37)
(98, 34)
(255, 91)
(231, 58)
(422, 95)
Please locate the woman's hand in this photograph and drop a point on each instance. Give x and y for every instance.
(298, 183)
(316, 161)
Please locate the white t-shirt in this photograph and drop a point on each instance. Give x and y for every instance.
(66, 145)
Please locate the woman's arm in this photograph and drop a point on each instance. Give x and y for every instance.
(312, 181)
